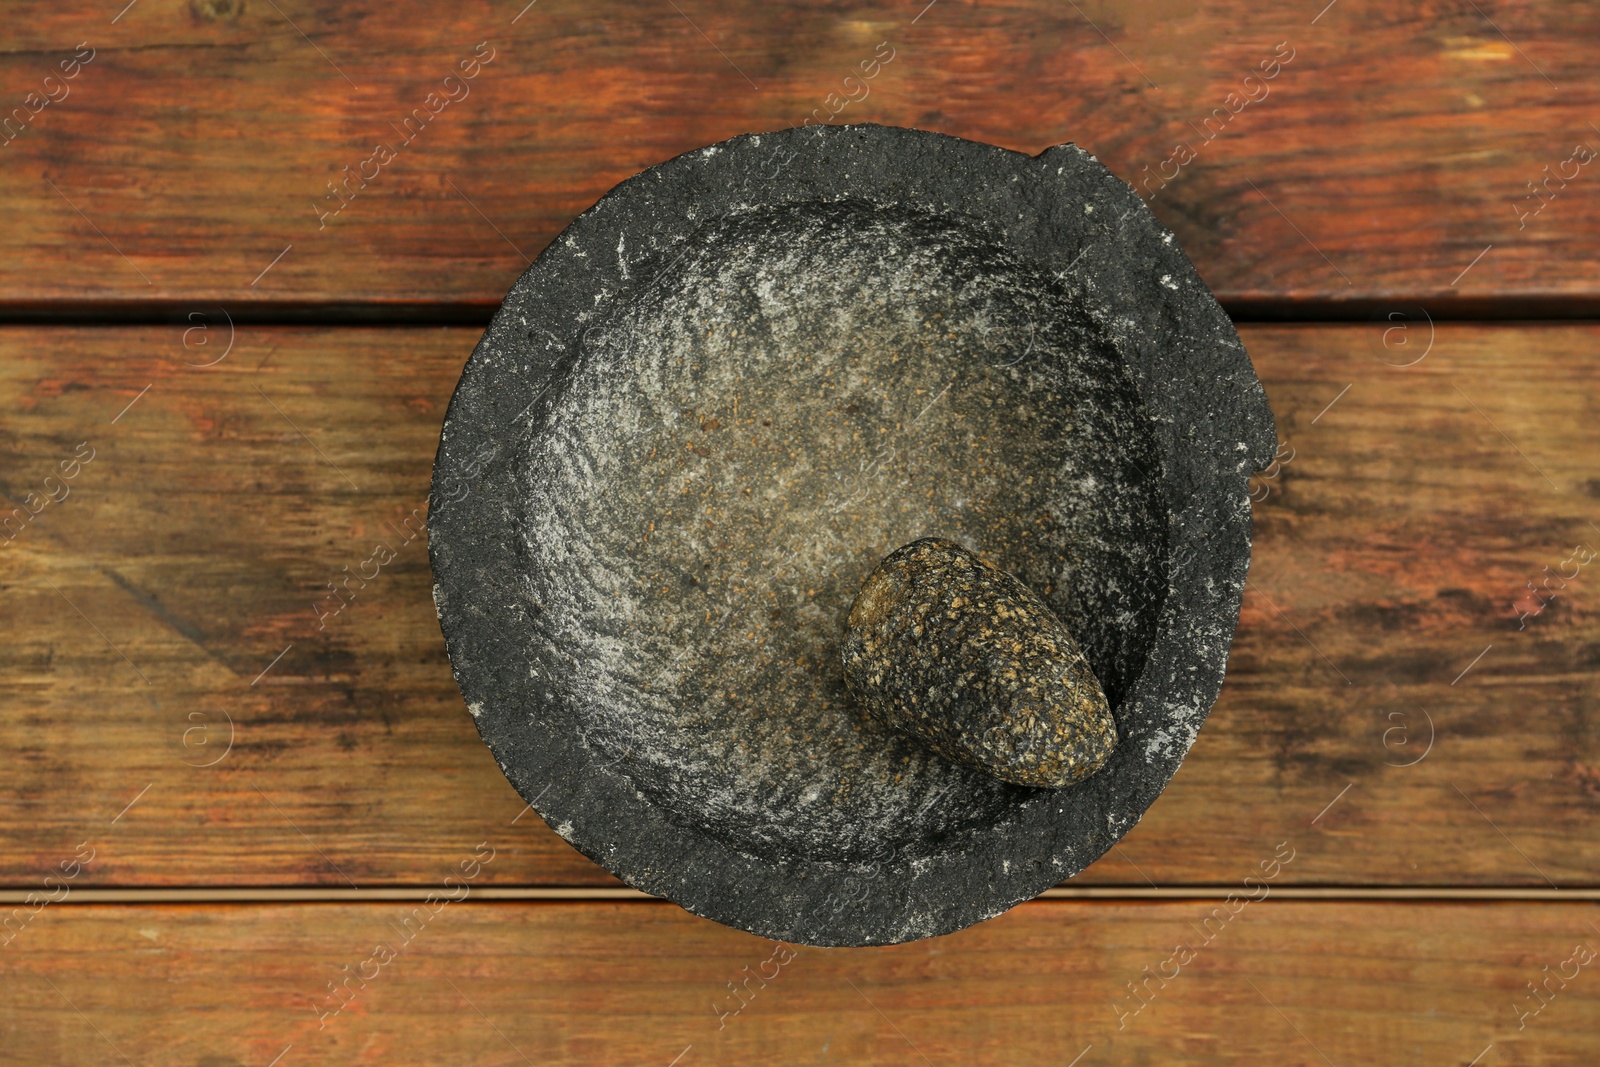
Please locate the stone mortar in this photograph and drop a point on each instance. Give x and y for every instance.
(726, 392)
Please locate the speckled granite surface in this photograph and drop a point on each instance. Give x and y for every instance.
(957, 653)
(713, 405)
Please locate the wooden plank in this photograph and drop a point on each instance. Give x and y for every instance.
(1276, 984)
(190, 156)
(173, 589)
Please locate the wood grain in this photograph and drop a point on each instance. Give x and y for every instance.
(190, 158)
(149, 609)
(1276, 984)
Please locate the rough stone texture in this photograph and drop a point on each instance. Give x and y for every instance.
(809, 387)
(723, 395)
(958, 653)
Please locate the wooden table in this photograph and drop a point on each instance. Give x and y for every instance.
(224, 358)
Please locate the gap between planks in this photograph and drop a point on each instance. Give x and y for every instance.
(1241, 308)
(332, 895)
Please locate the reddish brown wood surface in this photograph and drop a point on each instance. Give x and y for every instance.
(1410, 701)
(1274, 984)
(149, 608)
(189, 159)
